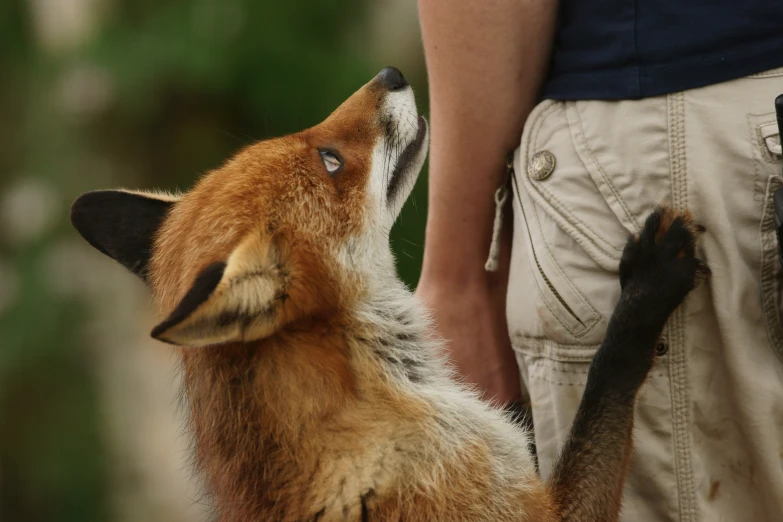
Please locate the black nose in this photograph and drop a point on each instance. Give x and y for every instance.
(392, 79)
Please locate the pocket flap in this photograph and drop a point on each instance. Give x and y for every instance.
(770, 133)
(563, 300)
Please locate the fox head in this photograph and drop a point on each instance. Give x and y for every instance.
(287, 230)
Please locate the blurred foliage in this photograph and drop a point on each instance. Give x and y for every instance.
(151, 95)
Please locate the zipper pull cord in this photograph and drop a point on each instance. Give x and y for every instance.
(501, 195)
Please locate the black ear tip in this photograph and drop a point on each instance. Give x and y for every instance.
(120, 224)
(85, 215)
(78, 208)
(158, 331)
(202, 289)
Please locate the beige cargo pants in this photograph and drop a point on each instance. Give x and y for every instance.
(709, 422)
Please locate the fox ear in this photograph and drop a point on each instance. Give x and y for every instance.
(237, 300)
(121, 224)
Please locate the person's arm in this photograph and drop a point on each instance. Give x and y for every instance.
(486, 61)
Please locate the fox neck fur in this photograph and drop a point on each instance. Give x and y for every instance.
(376, 411)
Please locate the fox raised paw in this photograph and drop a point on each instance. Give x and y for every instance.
(659, 266)
(657, 270)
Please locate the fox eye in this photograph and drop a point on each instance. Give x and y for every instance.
(331, 160)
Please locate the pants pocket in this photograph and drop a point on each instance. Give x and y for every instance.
(568, 235)
(564, 311)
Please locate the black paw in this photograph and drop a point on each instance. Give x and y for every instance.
(659, 266)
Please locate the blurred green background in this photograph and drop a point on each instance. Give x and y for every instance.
(141, 94)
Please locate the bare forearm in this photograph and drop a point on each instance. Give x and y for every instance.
(486, 61)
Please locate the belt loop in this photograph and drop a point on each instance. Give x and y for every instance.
(501, 195)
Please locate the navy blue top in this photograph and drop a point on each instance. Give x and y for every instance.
(620, 49)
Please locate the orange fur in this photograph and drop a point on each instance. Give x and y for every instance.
(334, 405)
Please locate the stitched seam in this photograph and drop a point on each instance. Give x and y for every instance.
(677, 152)
(552, 381)
(552, 357)
(538, 269)
(683, 417)
(545, 341)
(578, 332)
(674, 348)
(600, 169)
(564, 210)
(758, 195)
(677, 360)
(677, 384)
(533, 140)
(586, 325)
(560, 206)
(540, 372)
(536, 348)
(539, 125)
(561, 383)
(576, 371)
(769, 282)
(559, 270)
(676, 145)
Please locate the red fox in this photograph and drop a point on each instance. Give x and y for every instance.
(317, 390)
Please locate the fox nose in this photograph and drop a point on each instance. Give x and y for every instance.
(392, 79)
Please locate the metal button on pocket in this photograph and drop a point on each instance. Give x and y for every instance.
(541, 165)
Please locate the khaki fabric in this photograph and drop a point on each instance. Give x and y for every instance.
(709, 422)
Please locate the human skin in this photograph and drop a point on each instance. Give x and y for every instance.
(486, 62)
